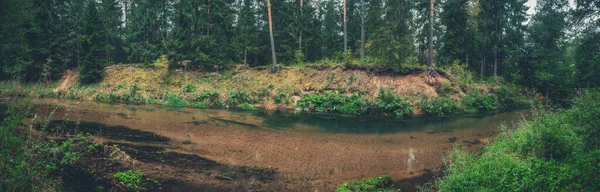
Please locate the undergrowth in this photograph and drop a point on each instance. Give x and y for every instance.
(30, 158)
(554, 151)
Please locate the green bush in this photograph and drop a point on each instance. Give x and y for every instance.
(188, 88)
(174, 100)
(132, 178)
(389, 103)
(334, 102)
(554, 151)
(210, 98)
(375, 184)
(480, 102)
(439, 106)
(246, 107)
(510, 97)
(238, 97)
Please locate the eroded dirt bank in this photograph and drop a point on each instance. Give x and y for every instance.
(192, 148)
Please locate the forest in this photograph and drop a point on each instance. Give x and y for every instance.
(388, 59)
(551, 51)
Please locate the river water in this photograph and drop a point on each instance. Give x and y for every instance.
(309, 152)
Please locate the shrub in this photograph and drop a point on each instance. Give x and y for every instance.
(188, 88)
(389, 103)
(509, 97)
(379, 184)
(439, 106)
(174, 100)
(238, 97)
(210, 98)
(480, 102)
(554, 151)
(334, 102)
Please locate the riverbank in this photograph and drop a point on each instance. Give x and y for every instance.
(321, 88)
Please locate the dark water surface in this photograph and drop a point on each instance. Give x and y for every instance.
(309, 151)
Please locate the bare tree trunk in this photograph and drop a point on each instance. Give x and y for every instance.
(345, 31)
(208, 28)
(362, 30)
(302, 22)
(482, 65)
(430, 61)
(271, 34)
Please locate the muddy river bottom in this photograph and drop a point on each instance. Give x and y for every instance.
(216, 150)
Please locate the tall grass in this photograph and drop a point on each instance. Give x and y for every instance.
(30, 161)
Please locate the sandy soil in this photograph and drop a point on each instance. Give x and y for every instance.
(304, 157)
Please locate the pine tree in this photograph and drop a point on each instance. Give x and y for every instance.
(93, 46)
(547, 40)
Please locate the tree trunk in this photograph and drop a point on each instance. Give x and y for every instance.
(430, 61)
(300, 27)
(345, 32)
(208, 28)
(271, 34)
(362, 30)
(482, 67)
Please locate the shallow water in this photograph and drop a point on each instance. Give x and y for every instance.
(309, 151)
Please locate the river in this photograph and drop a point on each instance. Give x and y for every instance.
(307, 152)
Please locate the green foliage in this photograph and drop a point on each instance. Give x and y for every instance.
(299, 57)
(511, 97)
(238, 97)
(440, 106)
(334, 102)
(132, 178)
(188, 88)
(389, 103)
(481, 102)
(175, 100)
(554, 151)
(280, 98)
(374, 184)
(209, 97)
(246, 107)
(30, 161)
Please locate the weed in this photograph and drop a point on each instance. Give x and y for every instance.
(380, 184)
(174, 100)
(132, 179)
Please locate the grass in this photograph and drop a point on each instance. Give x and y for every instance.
(554, 151)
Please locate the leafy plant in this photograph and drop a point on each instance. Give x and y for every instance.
(390, 103)
(480, 102)
(380, 184)
(132, 178)
(174, 100)
(188, 88)
(439, 106)
(238, 97)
